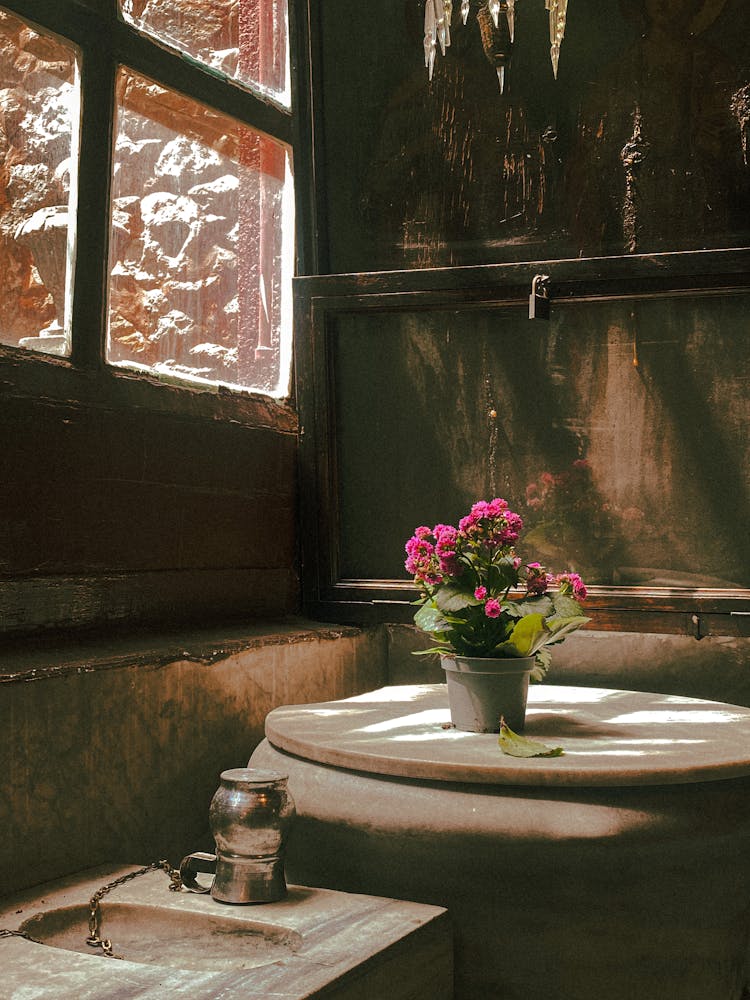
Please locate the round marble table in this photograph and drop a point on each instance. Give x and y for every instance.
(618, 869)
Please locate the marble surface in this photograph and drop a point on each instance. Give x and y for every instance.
(609, 738)
(345, 946)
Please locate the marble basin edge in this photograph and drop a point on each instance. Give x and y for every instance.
(297, 947)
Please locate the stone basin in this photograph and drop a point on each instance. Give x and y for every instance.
(314, 943)
(176, 939)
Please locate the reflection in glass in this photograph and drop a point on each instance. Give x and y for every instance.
(202, 243)
(245, 40)
(38, 170)
(618, 431)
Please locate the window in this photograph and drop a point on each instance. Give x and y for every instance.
(186, 191)
(201, 242)
(247, 42)
(41, 97)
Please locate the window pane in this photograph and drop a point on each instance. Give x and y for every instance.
(246, 40)
(39, 101)
(202, 243)
(618, 431)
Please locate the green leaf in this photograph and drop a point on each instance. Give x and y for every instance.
(451, 597)
(519, 746)
(435, 650)
(430, 619)
(535, 605)
(541, 666)
(566, 606)
(502, 574)
(561, 627)
(527, 636)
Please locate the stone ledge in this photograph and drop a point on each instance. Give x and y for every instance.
(34, 659)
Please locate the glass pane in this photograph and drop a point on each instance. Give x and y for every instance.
(639, 145)
(202, 246)
(245, 40)
(38, 170)
(617, 430)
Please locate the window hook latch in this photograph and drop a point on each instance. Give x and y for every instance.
(539, 300)
(696, 627)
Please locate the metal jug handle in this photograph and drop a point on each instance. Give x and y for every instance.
(197, 862)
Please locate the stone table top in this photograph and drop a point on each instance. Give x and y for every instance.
(609, 737)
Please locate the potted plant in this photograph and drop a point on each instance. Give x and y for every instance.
(493, 617)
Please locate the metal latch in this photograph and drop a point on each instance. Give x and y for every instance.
(539, 299)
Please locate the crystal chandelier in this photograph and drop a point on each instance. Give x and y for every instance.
(437, 28)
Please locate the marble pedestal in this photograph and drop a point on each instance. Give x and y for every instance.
(620, 869)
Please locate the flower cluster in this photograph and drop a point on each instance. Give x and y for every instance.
(479, 598)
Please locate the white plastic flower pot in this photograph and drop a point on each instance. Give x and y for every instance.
(481, 691)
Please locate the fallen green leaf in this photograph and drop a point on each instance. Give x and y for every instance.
(519, 746)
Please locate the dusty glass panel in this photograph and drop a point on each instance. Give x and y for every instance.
(617, 430)
(202, 243)
(245, 40)
(39, 99)
(639, 145)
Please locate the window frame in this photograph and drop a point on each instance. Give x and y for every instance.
(106, 42)
(318, 300)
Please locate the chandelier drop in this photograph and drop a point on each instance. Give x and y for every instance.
(437, 29)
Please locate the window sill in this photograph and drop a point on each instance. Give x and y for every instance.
(30, 375)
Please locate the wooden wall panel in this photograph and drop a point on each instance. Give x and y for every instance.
(101, 501)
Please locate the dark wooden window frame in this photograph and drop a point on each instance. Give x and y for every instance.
(319, 300)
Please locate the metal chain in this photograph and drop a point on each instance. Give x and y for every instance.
(95, 940)
(22, 934)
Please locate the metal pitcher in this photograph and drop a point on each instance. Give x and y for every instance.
(250, 816)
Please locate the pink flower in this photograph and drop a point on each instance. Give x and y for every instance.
(496, 507)
(421, 562)
(419, 548)
(492, 608)
(446, 537)
(449, 565)
(468, 522)
(536, 578)
(572, 583)
(480, 593)
(512, 529)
